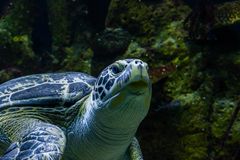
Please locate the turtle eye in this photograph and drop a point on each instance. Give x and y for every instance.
(116, 68)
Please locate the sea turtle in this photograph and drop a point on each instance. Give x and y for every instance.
(74, 116)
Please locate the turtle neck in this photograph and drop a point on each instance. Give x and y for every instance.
(91, 138)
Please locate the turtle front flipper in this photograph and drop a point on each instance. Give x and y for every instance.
(45, 141)
(135, 150)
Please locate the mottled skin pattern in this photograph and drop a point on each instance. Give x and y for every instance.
(74, 116)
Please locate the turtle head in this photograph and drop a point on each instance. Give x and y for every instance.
(122, 92)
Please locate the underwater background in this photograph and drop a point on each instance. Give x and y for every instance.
(192, 48)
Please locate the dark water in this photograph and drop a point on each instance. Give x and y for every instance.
(191, 47)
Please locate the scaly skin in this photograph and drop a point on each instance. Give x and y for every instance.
(33, 139)
(103, 128)
(110, 122)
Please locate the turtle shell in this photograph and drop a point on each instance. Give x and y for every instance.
(46, 94)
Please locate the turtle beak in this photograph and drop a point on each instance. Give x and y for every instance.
(134, 79)
(139, 79)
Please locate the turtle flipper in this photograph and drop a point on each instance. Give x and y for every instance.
(46, 142)
(135, 150)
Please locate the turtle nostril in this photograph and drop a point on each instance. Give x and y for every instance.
(141, 64)
(137, 61)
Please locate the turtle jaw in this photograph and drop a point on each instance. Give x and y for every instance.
(138, 84)
(137, 88)
(128, 106)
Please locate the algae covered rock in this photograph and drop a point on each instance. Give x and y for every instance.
(15, 32)
(78, 59)
(111, 42)
(194, 111)
(33, 31)
(134, 50)
(144, 19)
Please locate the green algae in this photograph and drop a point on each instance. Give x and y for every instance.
(134, 51)
(144, 20)
(59, 25)
(198, 129)
(15, 32)
(78, 59)
(227, 14)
